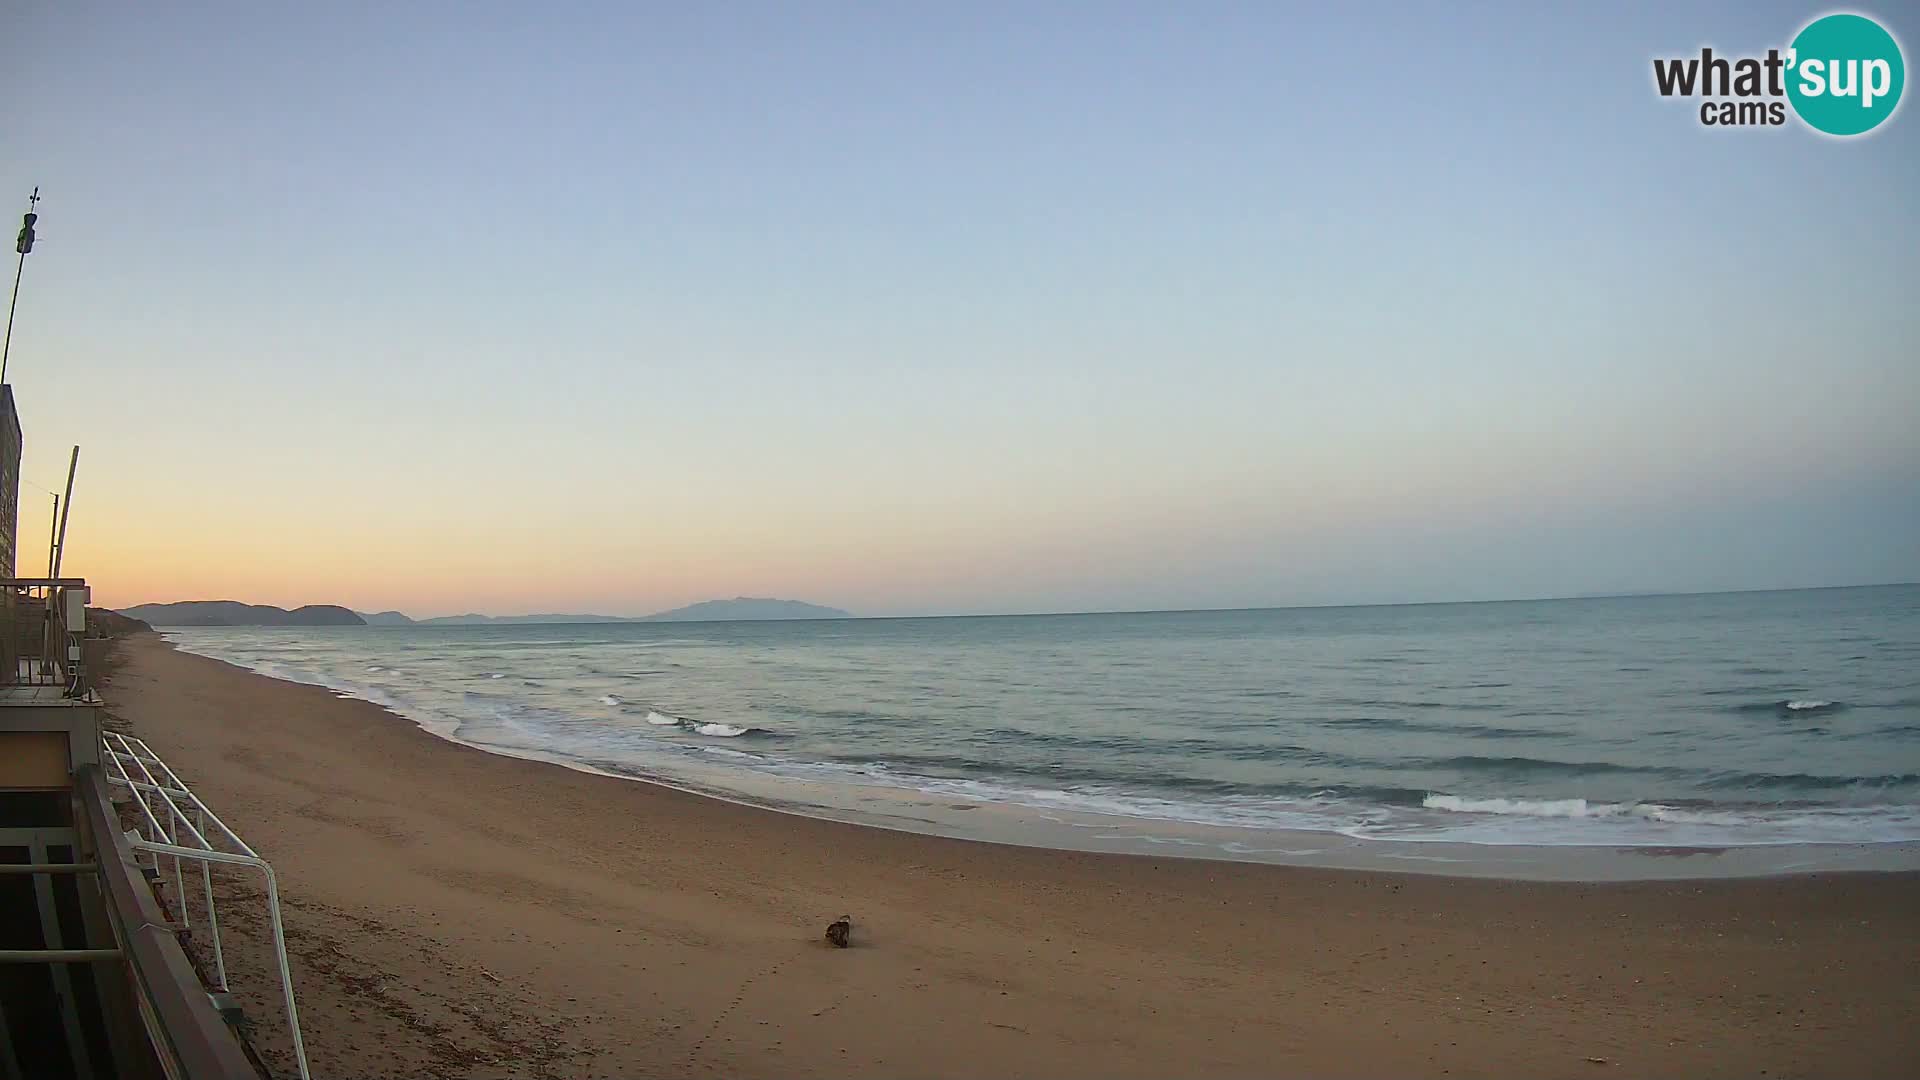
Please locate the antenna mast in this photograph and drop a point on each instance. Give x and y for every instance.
(22, 244)
(53, 534)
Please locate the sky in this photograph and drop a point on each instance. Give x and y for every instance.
(950, 308)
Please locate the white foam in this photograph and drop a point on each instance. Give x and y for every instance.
(723, 752)
(661, 719)
(610, 701)
(1567, 808)
(1576, 808)
(1810, 703)
(719, 731)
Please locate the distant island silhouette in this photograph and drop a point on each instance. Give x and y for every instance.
(235, 613)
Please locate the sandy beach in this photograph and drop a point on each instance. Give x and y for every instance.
(455, 913)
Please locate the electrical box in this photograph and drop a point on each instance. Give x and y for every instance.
(75, 610)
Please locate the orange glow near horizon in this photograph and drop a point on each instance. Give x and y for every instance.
(978, 551)
(963, 327)
(1049, 537)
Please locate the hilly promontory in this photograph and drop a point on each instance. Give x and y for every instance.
(235, 613)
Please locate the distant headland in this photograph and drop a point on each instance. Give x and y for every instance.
(234, 613)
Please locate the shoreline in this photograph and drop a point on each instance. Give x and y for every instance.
(922, 812)
(458, 912)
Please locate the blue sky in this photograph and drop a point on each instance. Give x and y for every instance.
(977, 308)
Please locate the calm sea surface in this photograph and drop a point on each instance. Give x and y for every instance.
(1752, 718)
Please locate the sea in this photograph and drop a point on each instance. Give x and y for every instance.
(1664, 723)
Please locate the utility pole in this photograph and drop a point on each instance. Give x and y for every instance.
(22, 244)
(60, 545)
(53, 533)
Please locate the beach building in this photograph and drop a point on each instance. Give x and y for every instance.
(107, 969)
(107, 904)
(9, 480)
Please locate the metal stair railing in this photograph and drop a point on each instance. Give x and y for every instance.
(178, 825)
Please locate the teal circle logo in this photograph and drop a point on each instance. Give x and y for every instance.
(1845, 74)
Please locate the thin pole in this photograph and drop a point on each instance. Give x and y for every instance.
(20, 266)
(7, 350)
(60, 547)
(53, 533)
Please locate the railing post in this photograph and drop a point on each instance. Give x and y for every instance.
(213, 918)
(179, 876)
(286, 969)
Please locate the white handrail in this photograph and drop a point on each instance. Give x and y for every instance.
(119, 750)
(180, 788)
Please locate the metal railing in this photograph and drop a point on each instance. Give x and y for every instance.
(42, 626)
(178, 826)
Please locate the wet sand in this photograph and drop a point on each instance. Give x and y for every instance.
(454, 913)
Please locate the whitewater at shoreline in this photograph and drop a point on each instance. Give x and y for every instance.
(1571, 839)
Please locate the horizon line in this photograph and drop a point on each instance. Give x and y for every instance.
(1646, 595)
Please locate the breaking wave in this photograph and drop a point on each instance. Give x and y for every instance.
(711, 729)
(1573, 808)
(1793, 707)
